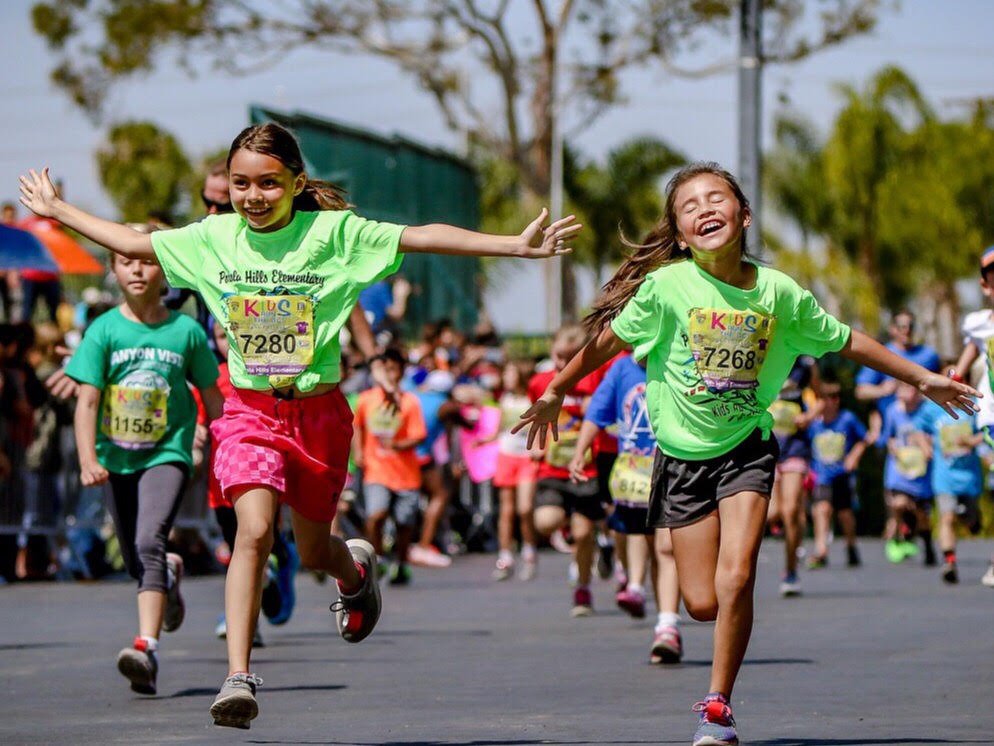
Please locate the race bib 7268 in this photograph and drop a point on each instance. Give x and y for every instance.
(729, 347)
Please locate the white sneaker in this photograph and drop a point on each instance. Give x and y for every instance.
(988, 578)
(790, 586)
(529, 566)
(418, 555)
(559, 543)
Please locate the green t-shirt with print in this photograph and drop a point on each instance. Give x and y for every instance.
(147, 413)
(717, 355)
(283, 296)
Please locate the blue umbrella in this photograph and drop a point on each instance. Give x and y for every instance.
(21, 250)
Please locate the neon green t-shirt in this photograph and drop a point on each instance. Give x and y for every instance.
(284, 296)
(147, 414)
(717, 355)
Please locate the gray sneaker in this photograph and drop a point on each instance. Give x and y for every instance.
(356, 615)
(235, 705)
(175, 608)
(140, 666)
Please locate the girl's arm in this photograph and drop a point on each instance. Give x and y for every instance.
(588, 431)
(943, 390)
(213, 402)
(91, 472)
(545, 411)
(533, 242)
(38, 194)
(966, 360)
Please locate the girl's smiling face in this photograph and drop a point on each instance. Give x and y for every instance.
(709, 217)
(262, 189)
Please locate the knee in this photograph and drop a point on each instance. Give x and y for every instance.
(582, 529)
(150, 549)
(701, 609)
(547, 520)
(733, 582)
(255, 536)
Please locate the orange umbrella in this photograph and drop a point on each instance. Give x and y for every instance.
(72, 258)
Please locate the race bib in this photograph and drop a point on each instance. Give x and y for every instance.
(561, 451)
(830, 447)
(631, 479)
(384, 422)
(785, 415)
(275, 333)
(133, 417)
(911, 462)
(951, 438)
(729, 347)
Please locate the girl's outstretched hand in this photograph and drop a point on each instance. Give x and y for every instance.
(541, 243)
(539, 417)
(38, 193)
(950, 395)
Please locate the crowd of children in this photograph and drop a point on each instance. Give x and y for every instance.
(686, 418)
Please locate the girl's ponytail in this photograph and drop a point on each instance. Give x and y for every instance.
(659, 247)
(320, 195)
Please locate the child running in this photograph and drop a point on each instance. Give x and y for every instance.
(516, 476)
(620, 399)
(908, 475)
(282, 273)
(135, 421)
(720, 334)
(838, 442)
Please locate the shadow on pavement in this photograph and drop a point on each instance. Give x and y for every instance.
(475, 742)
(753, 662)
(855, 741)
(34, 645)
(201, 691)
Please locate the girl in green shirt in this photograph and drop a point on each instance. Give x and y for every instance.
(719, 334)
(282, 274)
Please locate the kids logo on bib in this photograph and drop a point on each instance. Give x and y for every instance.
(954, 439)
(830, 447)
(729, 347)
(135, 411)
(274, 333)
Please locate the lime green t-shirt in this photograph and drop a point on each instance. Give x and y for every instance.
(284, 296)
(147, 414)
(717, 355)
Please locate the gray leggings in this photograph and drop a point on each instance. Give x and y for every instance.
(144, 506)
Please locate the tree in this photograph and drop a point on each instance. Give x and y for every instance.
(619, 197)
(512, 51)
(144, 170)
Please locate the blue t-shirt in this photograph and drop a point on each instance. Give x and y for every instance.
(909, 472)
(831, 443)
(431, 403)
(375, 300)
(923, 355)
(620, 398)
(955, 468)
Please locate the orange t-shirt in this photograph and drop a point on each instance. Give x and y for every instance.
(396, 470)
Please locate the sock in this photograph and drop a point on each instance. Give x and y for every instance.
(362, 577)
(949, 555)
(151, 643)
(667, 619)
(528, 552)
(716, 695)
(636, 588)
(506, 557)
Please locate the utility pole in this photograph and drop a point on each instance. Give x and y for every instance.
(750, 110)
(555, 268)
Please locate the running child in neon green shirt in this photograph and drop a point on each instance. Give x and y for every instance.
(282, 275)
(719, 334)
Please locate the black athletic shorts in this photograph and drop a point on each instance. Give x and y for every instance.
(583, 498)
(684, 492)
(839, 491)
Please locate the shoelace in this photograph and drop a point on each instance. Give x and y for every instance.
(246, 678)
(723, 716)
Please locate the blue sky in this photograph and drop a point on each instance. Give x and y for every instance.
(946, 47)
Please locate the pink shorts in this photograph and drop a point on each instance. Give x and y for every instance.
(511, 470)
(299, 448)
(793, 465)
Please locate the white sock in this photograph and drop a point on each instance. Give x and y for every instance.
(505, 556)
(667, 619)
(151, 642)
(636, 588)
(527, 552)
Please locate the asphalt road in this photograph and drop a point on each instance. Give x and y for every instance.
(879, 655)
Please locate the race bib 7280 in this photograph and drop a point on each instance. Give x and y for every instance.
(729, 347)
(274, 333)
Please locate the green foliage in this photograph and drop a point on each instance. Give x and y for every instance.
(900, 201)
(144, 170)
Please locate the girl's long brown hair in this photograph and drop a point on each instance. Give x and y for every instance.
(278, 142)
(659, 247)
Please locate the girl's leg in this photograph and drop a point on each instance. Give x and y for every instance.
(624, 553)
(505, 519)
(947, 531)
(160, 492)
(526, 512)
(847, 522)
(438, 499)
(695, 553)
(584, 542)
(319, 550)
(791, 489)
(821, 511)
(741, 518)
(255, 508)
(549, 518)
(667, 583)
(637, 551)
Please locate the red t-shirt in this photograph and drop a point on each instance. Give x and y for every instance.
(558, 456)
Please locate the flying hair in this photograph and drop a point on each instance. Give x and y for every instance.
(278, 142)
(658, 248)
